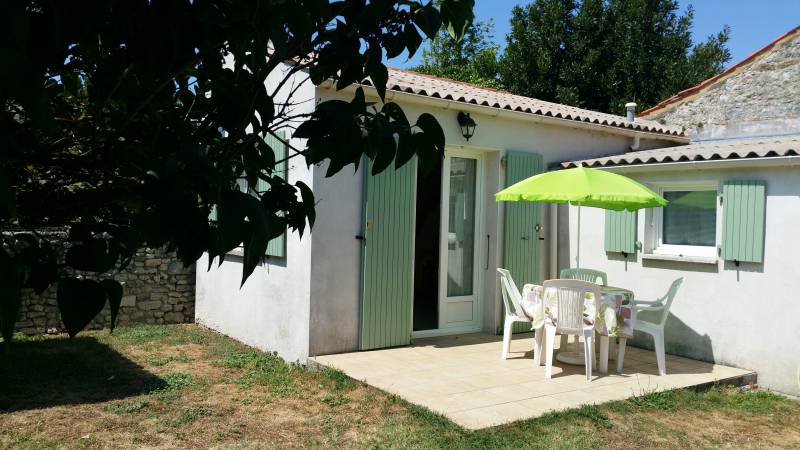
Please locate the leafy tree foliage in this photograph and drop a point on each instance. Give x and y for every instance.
(600, 54)
(473, 58)
(123, 122)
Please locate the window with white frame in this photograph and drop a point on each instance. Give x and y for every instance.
(689, 225)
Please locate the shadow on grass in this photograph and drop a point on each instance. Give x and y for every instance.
(51, 372)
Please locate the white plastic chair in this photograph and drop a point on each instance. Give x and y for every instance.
(655, 329)
(514, 312)
(575, 273)
(571, 295)
(592, 275)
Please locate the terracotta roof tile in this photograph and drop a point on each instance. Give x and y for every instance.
(752, 148)
(410, 82)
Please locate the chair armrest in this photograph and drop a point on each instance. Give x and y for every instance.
(646, 307)
(645, 302)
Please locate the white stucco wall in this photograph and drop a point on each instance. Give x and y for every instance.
(271, 311)
(744, 317)
(336, 254)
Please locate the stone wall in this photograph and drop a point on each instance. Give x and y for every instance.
(157, 289)
(761, 98)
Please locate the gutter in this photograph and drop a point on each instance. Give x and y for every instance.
(490, 111)
(773, 161)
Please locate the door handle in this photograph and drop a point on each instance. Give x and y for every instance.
(360, 237)
(488, 237)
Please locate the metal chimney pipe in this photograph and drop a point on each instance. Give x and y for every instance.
(631, 111)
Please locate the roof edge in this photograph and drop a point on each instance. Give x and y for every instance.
(730, 71)
(391, 94)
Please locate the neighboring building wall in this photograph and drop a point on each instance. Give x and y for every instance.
(336, 254)
(157, 289)
(742, 316)
(270, 311)
(760, 98)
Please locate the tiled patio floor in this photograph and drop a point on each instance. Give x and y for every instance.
(464, 378)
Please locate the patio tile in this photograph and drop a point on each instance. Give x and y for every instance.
(492, 415)
(544, 387)
(464, 378)
(515, 392)
(447, 387)
(545, 404)
(576, 398)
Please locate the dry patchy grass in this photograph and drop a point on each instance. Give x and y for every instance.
(183, 386)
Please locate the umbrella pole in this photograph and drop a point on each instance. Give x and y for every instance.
(578, 253)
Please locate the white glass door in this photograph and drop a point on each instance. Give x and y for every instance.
(459, 285)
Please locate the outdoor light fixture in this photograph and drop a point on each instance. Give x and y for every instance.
(467, 125)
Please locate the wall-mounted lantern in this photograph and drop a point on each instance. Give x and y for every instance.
(467, 125)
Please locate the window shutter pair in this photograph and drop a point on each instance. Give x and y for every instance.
(276, 247)
(744, 212)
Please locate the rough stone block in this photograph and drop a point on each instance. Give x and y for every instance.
(128, 300)
(152, 263)
(175, 267)
(149, 305)
(173, 317)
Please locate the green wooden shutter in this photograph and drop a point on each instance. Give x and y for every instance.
(520, 239)
(744, 208)
(276, 247)
(387, 264)
(620, 234)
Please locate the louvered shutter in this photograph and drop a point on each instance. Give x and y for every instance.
(387, 270)
(620, 231)
(520, 238)
(744, 208)
(276, 247)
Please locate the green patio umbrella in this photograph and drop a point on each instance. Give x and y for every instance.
(583, 186)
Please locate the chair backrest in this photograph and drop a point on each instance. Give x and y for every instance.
(511, 295)
(571, 295)
(667, 299)
(590, 275)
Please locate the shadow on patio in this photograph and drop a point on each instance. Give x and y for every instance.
(464, 378)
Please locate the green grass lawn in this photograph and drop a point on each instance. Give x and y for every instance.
(183, 386)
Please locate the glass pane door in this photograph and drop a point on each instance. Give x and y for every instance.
(461, 227)
(460, 255)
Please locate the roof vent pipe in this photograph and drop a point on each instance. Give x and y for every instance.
(630, 107)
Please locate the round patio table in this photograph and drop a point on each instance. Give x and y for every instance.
(608, 293)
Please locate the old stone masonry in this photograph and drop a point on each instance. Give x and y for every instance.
(761, 98)
(157, 289)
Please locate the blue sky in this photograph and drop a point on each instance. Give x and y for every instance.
(754, 23)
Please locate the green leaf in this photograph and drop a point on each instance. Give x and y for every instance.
(93, 255)
(307, 195)
(114, 294)
(430, 126)
(79, 301)
(412, 39)
(231, 213)
(377, 71)
(7, 204)
(457, 15)
(427, 19)
(256, 246)
(10, 301)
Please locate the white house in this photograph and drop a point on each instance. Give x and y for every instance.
(400, 255)
(731, 227)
